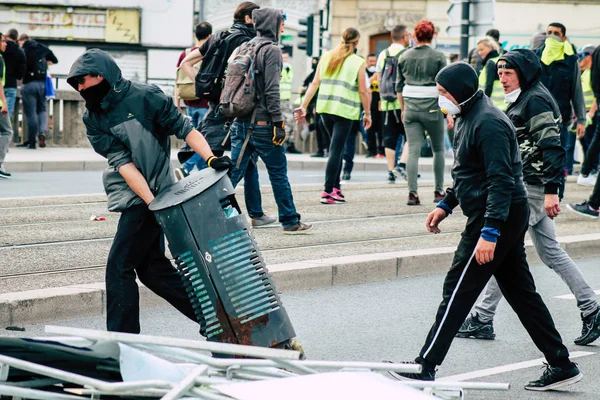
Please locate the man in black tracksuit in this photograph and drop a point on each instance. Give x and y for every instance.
(488, 185)
(130, 124)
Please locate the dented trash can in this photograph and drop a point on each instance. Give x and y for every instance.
(223, 271)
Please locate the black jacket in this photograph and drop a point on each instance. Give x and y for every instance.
(487, 170)
(536, 117)
(14, 58)
(269, 63)
(33, 52)
(134, 124)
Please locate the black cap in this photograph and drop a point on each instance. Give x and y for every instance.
(460, 80)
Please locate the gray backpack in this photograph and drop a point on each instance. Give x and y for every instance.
(387, 85)
(239, 97)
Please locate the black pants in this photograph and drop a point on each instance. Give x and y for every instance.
(338, 128)
(466, 279)
(139, 248)
(392, 128)
(323, 138)
(592, 149)
(375, 134)
(350, 148)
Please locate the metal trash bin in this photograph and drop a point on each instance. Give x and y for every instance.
(223, 271)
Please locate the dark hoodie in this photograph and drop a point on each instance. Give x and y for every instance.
(34, 51)
(133, 124)
(536, 117)
(269, 63)
(15, 64)
(487, 170)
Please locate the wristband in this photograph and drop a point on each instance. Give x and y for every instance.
(444, 207)
(210, 159)
(490, 234)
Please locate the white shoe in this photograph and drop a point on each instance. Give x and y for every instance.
(589, 180)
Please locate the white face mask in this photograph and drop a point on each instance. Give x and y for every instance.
(448, 107)
(372, 68)
(512, 96)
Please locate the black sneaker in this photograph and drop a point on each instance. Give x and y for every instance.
(4, 174)
(427, 374)
(346, 176)
(590, 330)
(391, 178)
(413, 200)
(473, 328)
(318, 154)
(584, 209)
(555, 378)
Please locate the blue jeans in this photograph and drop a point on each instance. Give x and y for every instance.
(34, 106)
(197, 114)
(273, 156)
(11, 99)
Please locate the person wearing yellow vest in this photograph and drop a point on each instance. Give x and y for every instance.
(285, 91)
(489, 49)
(341, 80)
(5, 126)
(590, 163)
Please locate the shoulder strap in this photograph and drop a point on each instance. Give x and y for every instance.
(387, 52)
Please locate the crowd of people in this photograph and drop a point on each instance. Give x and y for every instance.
(515, 117)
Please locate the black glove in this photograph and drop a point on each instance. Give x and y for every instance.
(219, 163)
(278, 133)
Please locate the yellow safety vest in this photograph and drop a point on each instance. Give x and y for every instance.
(497, 91)
(586, 84)
(338, 92)
(285, 84)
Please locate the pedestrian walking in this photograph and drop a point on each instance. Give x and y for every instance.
(313, 121)
(489, 50)
(195, 108)
(33, 91)
(131, 124)
(214, 54)
(536, 117)
(6, 131)
(561, 75)
(261, 132)
(488, 185)
(341, 80)
(374, 133)
(286, 87)
(418, 99)
(591, 148)
(393, 129)
(14, 59)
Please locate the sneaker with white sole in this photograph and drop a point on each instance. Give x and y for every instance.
(555, 378)
(327, 198)
(4, 174)
(297, 229)
(338, 196)
(180, 173)
(262, 221)
(584, 209)
(589, 180)
(590, 330)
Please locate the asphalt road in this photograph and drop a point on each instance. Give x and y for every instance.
(389, 320)
(30, 184)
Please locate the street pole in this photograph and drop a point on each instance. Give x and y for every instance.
(464, 29)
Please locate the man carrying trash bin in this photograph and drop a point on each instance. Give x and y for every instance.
(129, 124)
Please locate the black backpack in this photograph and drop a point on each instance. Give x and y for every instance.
(209, 80)
(387, 86)
(40, 65)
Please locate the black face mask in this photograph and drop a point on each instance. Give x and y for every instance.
(94, 95)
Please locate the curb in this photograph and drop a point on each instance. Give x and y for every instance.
(46, 305)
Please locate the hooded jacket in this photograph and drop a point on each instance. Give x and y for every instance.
(269, 63)
(133, 125)
(487, 170)
(536, 117)
(33, 52)
(14, 59)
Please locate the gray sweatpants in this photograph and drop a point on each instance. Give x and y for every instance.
(543, 235)
(6, 133)
(415, 125)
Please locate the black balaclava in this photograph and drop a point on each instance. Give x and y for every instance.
(460, 80)
(94, 95)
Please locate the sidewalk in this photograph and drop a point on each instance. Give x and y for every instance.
(85, 159)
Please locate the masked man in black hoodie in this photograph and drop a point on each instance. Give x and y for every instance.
(488, 185)
(535, 114)
(130, 124)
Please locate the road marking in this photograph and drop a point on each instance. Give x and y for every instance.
(508, 368)
(571, 296)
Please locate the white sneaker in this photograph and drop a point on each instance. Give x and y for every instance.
(589, 180)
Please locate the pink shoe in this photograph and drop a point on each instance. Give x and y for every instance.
(327, 198)
(338, 196)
